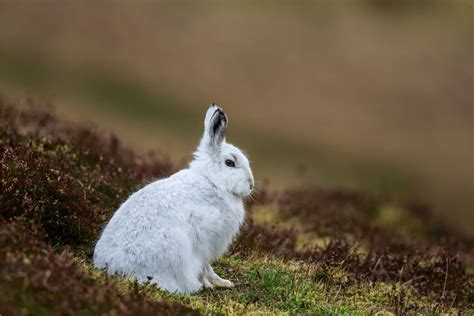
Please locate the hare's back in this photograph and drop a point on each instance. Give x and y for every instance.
(169, 197)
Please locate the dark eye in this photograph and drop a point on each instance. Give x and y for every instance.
(230, 163)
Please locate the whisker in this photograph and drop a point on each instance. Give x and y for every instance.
(256, 190)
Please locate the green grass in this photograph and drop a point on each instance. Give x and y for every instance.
(265, 285)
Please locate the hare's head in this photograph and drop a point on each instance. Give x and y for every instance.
(222, 163)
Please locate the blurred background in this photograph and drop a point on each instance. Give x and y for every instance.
(372, 95)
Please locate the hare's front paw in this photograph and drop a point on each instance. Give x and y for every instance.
(210, 276)
(222, 282)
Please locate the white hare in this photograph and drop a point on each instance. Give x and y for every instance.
(172, 229)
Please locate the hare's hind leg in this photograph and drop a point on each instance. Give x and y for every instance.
(177, 270)
(188, 281)
(214, 279)
(181, 280)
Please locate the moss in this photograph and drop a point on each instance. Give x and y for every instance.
(394, 218)
(269, 215)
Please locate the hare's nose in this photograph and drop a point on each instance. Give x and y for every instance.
(251, 186)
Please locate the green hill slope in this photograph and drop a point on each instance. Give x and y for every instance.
(302, 250)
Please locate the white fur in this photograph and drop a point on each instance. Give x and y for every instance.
(172, 229)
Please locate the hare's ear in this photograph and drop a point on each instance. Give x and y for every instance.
(215, 125)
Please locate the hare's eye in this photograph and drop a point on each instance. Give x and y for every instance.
(230, 163)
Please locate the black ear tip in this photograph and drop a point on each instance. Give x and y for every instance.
(213, 104)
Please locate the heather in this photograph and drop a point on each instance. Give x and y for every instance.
(303, 250)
